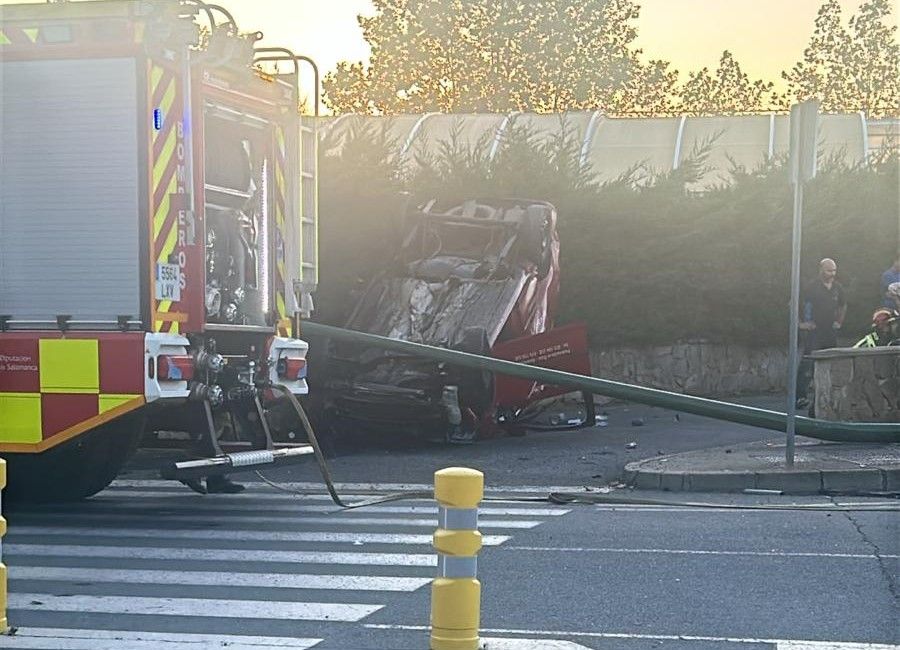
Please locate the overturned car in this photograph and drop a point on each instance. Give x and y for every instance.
(467, 278)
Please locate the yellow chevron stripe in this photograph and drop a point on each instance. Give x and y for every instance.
(279, 188)
(166, 103)
(32, 33)
(279, 179)
(173, 326)
(159, 219)
(279, 301)
(167, 248)
(165, 156)
(156, 73)
(3, 38)
(169, 245)
(279, 138)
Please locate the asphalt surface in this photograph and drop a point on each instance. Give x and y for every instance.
(148, 564)
(593, 456)
(267, 569)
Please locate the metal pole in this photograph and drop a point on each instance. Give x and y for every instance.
(316, 94)
(793, 352)
(738, 413)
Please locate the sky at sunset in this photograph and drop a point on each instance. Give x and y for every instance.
(766, 36)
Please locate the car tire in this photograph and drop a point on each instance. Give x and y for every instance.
(476, 387)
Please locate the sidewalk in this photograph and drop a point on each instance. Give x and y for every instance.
(820, 467)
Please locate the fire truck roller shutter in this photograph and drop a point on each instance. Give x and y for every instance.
(69, 212)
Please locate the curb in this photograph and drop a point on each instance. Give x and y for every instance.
(847, 481)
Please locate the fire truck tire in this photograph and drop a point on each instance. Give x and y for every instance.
(77, 469)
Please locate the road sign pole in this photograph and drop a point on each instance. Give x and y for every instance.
(794, 353)
(804, 131)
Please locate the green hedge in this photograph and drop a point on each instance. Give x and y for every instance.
(642, 265)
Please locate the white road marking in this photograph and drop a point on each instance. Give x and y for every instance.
(736, 509)
(218, 579)
(364, 487)
(673, 551)
(66, 639)
(238, 535)
(780, 644)
(12, 550)
(202, 505)
(185, 495)
(827, 645)
(529, 644)
(334, 520)
(234, 609)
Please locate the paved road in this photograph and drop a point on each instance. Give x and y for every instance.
(594, 456)
(148, 563)
(636, 578)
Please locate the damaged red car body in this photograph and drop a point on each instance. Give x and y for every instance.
(468, 278)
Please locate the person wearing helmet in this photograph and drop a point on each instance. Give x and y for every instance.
(885, 326)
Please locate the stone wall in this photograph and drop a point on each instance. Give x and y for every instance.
(697, 368)
(858, 384)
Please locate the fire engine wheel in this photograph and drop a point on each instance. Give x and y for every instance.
(77, 469)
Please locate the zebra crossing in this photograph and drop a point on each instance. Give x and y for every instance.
(147, 564)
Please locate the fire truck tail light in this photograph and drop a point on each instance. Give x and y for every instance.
(175, 367)
(291, 368)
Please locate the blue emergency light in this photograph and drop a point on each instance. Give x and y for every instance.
(157, 119)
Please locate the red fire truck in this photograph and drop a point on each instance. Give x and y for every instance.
(157, 240)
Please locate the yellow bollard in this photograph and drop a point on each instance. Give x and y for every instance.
(456, 592)
(4, 623)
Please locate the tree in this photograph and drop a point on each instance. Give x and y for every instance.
(651, 91)
(728, 92)
(500, 55)
(850, 69)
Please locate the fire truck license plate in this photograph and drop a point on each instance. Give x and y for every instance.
(168, 282)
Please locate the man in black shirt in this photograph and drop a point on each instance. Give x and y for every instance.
(824, 308)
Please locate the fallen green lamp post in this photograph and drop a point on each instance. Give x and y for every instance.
(740, 414)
